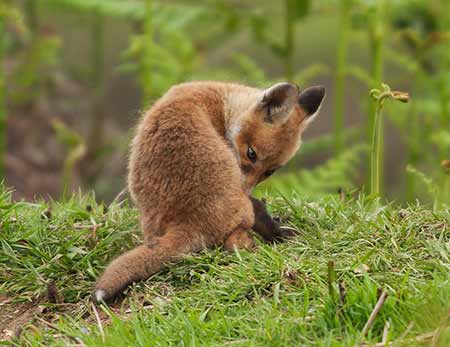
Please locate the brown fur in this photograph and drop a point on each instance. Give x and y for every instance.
(190, 176)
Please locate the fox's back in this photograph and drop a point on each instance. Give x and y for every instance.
(179, 158)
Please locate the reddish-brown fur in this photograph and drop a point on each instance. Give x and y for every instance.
(190, 176)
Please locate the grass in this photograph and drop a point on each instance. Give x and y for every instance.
(317, 289)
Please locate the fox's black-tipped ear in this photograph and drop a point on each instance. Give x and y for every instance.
(278, 102)
(311, 98)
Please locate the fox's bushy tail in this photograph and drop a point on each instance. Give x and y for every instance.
(139, 264)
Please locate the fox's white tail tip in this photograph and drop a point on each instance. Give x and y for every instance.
(99, 295)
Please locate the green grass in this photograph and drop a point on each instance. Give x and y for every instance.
(278, 295)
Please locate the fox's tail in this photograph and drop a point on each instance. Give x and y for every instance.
(139, 264)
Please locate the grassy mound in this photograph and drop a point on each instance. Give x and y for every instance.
(317, 289)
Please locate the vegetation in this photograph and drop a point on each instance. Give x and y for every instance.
(341, 63)
(377, 135)
(169, 43)
(60, 63)
(318, 288)
(2, 96)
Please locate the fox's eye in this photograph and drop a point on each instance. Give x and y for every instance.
(251, 154)
(269, 173)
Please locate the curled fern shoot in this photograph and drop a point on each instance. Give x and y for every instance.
(376, 155)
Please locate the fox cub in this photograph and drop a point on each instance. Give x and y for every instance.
(197, 155)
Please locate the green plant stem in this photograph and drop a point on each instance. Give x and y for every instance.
(376, 39)
(32, 17)
(376, 152)
(96, 132)
(2, 101)
(444, 100)
(444, 194)
(146, 65)
(376, 157)
(331, 280)
(341, 60)
(74, 155)
(413, 158)
(444, 62)
(447, 189)
(289, 41)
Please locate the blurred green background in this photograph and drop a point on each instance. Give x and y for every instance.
(76, 74)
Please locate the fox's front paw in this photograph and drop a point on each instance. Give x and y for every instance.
(286, 232)
(267, 227)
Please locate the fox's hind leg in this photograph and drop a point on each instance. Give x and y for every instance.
(240, 239)
(238, 234)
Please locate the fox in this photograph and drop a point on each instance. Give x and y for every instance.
(196, 156)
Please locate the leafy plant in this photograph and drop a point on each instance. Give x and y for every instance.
(438, 189)
(294, 11)
(145, 56)
(33, 73)
(284, 50)
(162, 54)
(340, 74)
(423, 28)
(31, 15)
(376, 154)
(96, 137)
(113, 8)
(76, 147)
(9, 15)
(337, 173)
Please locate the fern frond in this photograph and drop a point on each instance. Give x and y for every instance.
(338, 172)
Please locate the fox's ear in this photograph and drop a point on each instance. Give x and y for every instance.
(310, 99)
(278, 102)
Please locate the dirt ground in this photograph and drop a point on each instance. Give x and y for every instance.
(40, 314)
